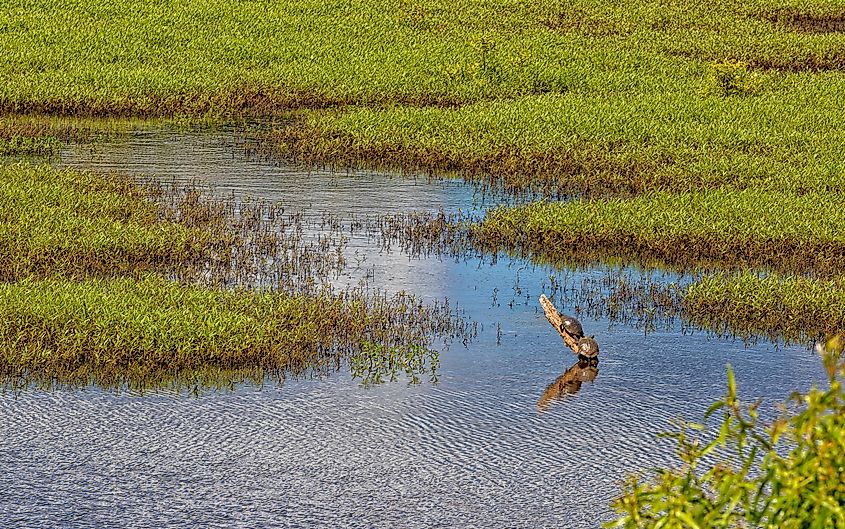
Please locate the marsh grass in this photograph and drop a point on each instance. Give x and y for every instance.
(785, 36)
(797, 308)
(648, 294)
(519, 171)
(815, 21)
(587, 99)
(565, 98)
(109, 282)
(26, 139)
(719, 228)
(78, 224)
(746, 305)
(138, 333)
(260, 59)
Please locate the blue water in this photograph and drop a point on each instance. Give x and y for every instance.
(472, 450)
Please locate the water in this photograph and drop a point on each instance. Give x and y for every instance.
(472, 450)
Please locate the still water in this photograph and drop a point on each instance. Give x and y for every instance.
(472, 450)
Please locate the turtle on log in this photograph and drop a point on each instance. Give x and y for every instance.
(570, 330)
(572, 326)
(588, 347)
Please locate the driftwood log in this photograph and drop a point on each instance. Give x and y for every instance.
(556, 319)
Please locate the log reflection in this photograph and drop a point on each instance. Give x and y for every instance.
(569, 383)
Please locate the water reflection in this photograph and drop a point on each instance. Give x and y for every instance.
(569, 383)
(470, 451)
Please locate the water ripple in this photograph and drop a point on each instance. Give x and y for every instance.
(471, 451)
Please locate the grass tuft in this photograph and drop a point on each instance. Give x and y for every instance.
(77, 224)
(774, 305)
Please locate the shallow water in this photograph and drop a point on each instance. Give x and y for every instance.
(472, 450)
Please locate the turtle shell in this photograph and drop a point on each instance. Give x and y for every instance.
(588, 347)
(572, 326)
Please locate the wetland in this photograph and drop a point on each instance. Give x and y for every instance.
(280, 264)
(513, 428)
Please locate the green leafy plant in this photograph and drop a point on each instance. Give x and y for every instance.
(783, 475)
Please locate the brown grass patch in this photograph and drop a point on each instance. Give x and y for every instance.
(808, 22)
(574, 20)
(804, 61)
(241, 101)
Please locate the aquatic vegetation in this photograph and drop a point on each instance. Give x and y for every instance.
(743, 303)
(773, 305)
(242, 292)
(719, 228)
(76, 224)
(747, 305)
(787, 474)
(563, 97)
(597, 143)
(26, 139)
(816, 21)
(763, 34)
(149, 332)
(376, 362)
(260, 59)
(22, 145)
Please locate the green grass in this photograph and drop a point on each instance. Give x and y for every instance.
(23, 145)
(775, 305)
(568, 97)
(78, 224)
(150, 332)
(801, 236)
(26, 139)
(719, 228)
(599, 144)
(722, 111)
(214, 56)
(160, 57)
